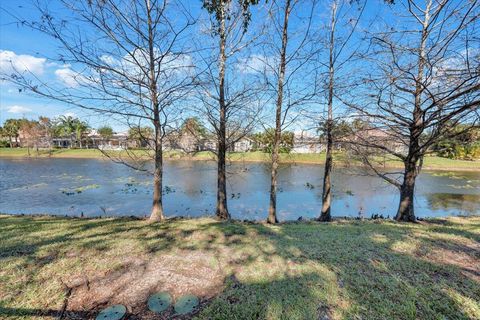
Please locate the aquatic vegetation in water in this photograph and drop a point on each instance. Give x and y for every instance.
(66, 176)
(132, 180)
(168, 190)
(349, 192)
(33, 186)
(72, 191)
(130, 188)
(466, 186)
(310, 186)
(81, 178)
(132, 185)
(450, 175)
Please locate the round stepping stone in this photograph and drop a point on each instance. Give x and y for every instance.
(159, 302)
(115, 312)
(186, 304)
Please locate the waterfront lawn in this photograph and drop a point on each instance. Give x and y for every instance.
(307, 270)
(340, 158)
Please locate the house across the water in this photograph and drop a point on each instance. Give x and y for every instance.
(303, 142)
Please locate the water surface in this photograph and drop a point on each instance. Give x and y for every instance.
(95, 187)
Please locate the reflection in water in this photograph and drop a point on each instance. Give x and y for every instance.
(464, 203)
(35, 186)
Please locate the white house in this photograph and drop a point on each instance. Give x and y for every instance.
(306, 143)
(243, 145)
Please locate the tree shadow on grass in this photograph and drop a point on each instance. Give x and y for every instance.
(21, 243)
(20, 232)
(340, 270)
(375, 278)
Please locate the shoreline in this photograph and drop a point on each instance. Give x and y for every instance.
(437, 163)
(180, 218)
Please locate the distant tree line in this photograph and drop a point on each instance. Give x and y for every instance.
(44, 129)
(463, 145)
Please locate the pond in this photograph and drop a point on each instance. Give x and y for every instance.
(102, 188)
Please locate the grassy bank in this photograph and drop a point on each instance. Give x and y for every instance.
(342, 270)
(430, 163)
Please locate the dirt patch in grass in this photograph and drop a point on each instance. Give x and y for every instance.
(466, 259)
(197, 273)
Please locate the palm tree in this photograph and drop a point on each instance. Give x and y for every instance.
(72, 127)
(80, 129)
(10, 130)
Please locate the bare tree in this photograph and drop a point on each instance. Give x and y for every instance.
(49, 130)
(126, 59)
(31, 134)
(272, 212)
(426, 82)
(229, 22)
(284, 66)
(342, 48)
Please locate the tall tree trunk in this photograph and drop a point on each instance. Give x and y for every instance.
(407, 190)
(327, 184)
(272, 210)
(327, 177)
(11, 143)
(222, 210)
(157, 205)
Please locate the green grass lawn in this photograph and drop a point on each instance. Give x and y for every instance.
(430, 162)
(56, 153)
(341, 270)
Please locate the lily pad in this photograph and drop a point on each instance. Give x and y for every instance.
(186, 304)
(159, 302)
(115, 312)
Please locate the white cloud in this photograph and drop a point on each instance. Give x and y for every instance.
(256, 63)
(451, 69)
(65, 114)
(10, 62)
(135, 66)
(69, 77)
(109, 60)
(70, 114)
(18, 109)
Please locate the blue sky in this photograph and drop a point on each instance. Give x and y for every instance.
(31, 49)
